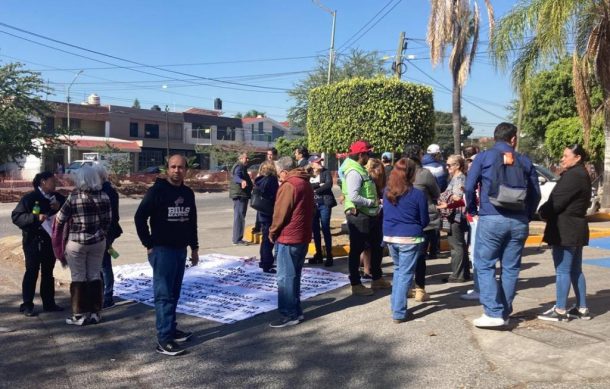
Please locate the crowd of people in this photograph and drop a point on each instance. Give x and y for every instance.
(483, 201)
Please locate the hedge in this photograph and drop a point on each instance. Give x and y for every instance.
(386, 112)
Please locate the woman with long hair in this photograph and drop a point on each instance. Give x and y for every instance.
(452, 206)
(34, 210)
(404, 217)
(376, 171)
(322, 184)
(267, 184)
(424, 181)
(567, 231)
(87, 209)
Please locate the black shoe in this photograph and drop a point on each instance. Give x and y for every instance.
(53, 308)
(553, 315)
(329, 262)
(316, 259)
(170, 348)
(182, 336)
(284, 322)
(108, 304)
(28, 310)
(366, 276)
(579, 313)
(271, 271)
(241, 243)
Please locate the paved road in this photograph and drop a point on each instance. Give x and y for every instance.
(345, 341)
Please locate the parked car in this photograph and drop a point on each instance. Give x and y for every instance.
(548, 180)
(75, 165)
(151, 170)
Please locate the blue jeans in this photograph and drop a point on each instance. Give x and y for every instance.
(322, 215)
(240, 207)
(108, 274)
(266, 248)
(405, 260)
(568, 269)
(472, 237)
(499, 238)
(290, 259)
(168, 270)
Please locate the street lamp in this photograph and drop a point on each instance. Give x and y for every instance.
(332, 38)
(68, 113)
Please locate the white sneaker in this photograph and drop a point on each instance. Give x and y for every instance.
(488, 322)
(470, 295)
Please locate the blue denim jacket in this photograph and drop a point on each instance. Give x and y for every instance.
(480, 173)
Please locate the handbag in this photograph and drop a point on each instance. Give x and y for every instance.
(59, 240)
(260, 203)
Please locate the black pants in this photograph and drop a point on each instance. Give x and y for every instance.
(364, 232)
(460, 264)
(39, 257)
(420, 267)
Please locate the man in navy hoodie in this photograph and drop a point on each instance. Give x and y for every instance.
(170, 207)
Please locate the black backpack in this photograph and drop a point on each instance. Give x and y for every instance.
(508, 188)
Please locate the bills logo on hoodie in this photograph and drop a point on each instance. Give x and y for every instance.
(178, 211)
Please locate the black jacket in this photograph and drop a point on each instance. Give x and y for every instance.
(239, 172)
(323, 191)
(566, 208)
(115, 228)
(28, 222)
(173, 216)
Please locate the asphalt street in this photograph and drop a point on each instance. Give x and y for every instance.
(345, 341)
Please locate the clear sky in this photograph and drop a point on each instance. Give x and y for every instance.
(257, 48)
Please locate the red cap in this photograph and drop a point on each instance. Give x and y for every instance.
(360, 146)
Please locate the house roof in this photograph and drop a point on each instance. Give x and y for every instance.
(252, 120)
(202, 111)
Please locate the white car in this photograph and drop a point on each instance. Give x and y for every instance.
(548, 180)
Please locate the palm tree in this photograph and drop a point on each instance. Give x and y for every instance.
(538, 32)
(455, 23)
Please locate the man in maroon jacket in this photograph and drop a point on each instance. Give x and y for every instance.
(291, 232)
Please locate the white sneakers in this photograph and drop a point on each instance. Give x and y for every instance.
(470, 295)
(489, 322)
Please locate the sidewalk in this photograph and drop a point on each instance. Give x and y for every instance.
(344, 342)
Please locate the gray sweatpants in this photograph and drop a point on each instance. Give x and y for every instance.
(85, 260)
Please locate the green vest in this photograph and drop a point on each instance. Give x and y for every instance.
(367, 190)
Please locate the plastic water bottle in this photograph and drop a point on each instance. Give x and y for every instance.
(36, 209)
(113, 253)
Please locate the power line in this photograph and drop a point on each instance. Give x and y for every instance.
(463, 98)
(365, 25)
(373, 25)
(130, 61)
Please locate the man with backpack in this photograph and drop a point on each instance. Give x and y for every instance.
(509, 197)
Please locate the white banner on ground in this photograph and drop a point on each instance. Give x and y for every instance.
(223, 288)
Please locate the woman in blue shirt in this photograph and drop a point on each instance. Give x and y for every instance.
(405, 214)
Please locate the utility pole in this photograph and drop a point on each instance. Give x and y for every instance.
(331, 53)
(68, 114)
(167, 131)
(398, 66)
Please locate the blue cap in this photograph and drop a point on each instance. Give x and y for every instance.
(386, 155)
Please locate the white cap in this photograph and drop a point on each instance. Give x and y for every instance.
(433, 149)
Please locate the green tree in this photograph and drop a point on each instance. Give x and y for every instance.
(536, 33)
(443, 129)
(117, 165)
(356, 63)
(136, 104)
(254, 113)
(285, 147)
(454, 23)
(565, 131)
(384, 111)
(238, 115)
(23, 114)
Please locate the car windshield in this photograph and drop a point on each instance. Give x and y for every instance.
(75, 165)
(546, 173)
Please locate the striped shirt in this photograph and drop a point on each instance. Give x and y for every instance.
(89, 214)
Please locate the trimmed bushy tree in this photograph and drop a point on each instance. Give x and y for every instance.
(568, 131)
(388, 113)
